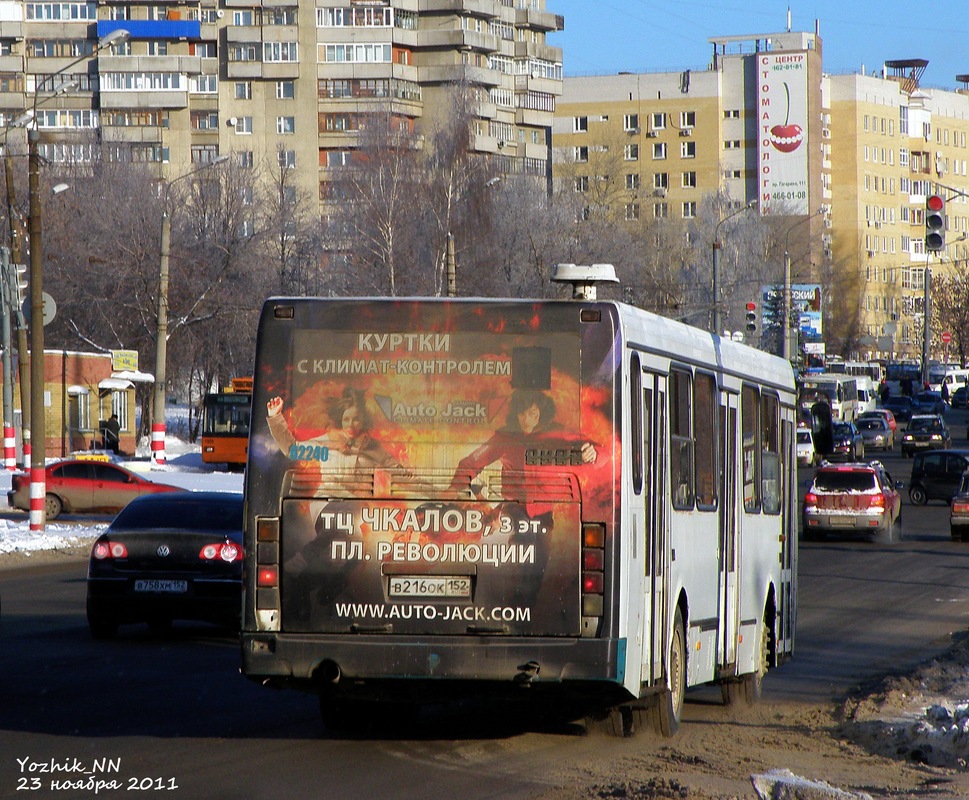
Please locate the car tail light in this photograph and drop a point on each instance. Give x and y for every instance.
(961, 507)
(108, 549)
(593, 577)
(221, 551)
(877, 501)
(810, 499)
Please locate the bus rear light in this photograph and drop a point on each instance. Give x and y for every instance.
(592, 582)
(267, 529)
(593, 577)
(593, 535)
(267, 578)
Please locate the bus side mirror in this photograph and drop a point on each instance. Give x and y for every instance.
(822, 429)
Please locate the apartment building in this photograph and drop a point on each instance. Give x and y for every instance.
(281, 84)
(848, 159)
(894, 143)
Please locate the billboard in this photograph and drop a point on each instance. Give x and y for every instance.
(782, 126)
(805, 308)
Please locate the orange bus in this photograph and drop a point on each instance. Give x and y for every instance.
(225, 424)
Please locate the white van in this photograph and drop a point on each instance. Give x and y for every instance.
(953, 379)
(867, 394)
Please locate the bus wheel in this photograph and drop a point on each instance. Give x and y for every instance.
(749, 688)
(667, 706)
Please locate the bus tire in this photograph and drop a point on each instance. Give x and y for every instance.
(667, 707)
(748, 689)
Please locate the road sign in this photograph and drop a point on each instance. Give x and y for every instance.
(50, 309)
(946, 337)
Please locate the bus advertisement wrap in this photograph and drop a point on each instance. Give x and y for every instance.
(435, 477)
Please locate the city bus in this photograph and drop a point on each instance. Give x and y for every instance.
(840, 392)
(572, 501)
(225, 424)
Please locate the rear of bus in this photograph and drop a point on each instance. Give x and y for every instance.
(431, 494)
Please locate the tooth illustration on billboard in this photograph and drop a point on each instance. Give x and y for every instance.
(787, 137)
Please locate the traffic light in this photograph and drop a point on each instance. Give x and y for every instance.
(751, 317)
(934, 223)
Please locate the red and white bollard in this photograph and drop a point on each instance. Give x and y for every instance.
(9, 447)
(158, 442)
(38, 494)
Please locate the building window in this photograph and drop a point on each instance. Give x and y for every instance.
(688, 119)
(661, 180)
(244, 125)
(245, 158)
(285, 90)
(687, 149)
(244, 90)
(580, 125)
(689, 210)
(661, 210)
(631, 152)
(630, 122)
(205, 120)
(689, 180)
(731, 144)
(285, 125)
(632, 182)
(632, 212)
(581, 154)
(582, 183)
(276, 52)
(659, 150)
(657, 121)
(287, 159)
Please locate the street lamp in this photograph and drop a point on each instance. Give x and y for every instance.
(161, 337)
(716, 263)
(38, 452)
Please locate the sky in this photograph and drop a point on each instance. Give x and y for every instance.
(608, 36)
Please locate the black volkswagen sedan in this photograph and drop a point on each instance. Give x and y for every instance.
(167, 557)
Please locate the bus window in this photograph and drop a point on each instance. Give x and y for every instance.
(681, 440)
(636, 410)
(705, 409)
(750, 423)
(771, 455)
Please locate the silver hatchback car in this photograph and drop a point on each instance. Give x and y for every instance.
(876, 433)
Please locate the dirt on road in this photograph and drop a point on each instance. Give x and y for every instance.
(900, 737)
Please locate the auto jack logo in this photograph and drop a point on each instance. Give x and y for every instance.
(454, 412)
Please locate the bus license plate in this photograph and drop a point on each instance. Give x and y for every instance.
(430, 586)
(174, 587)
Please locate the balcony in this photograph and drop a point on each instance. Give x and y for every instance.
(539, 20)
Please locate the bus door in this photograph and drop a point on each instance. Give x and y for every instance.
(656, 529)
(728, 594)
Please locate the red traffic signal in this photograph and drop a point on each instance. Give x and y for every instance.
(934, 223)
(751, 317)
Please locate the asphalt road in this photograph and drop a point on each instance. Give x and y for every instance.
(173, 715)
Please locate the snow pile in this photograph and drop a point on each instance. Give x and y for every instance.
(923, 717)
